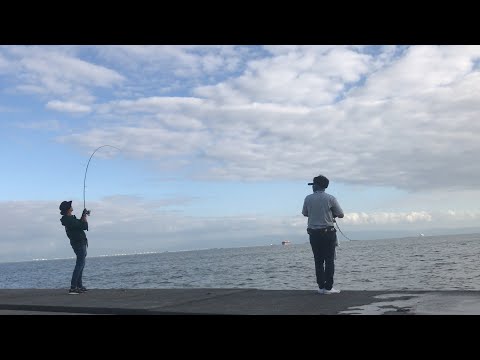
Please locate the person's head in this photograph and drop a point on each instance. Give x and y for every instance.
(66, 208)
(320, 182)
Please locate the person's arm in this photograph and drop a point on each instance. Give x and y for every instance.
(73, 223)
(305, 209)
(336, 209)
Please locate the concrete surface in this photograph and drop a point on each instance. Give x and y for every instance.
(236, 302)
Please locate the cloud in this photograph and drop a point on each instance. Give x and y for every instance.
(411, 220)
(181, 60)
(9, 109)
(378, 116)
(57, 71)
(4, 64)
(301, 76)
(54, 125)
(54, 66)
(70, 107)
(155, 104)
(382, 218)
(420, 70)
(154, 141)
(172, 69)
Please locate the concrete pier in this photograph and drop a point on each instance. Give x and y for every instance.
(206, 301)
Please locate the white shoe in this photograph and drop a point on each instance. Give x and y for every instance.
(331, 291)
(321, 291)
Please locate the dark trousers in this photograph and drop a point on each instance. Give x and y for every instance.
(323, 247)
(81, 252)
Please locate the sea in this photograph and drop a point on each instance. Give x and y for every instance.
(449, 262)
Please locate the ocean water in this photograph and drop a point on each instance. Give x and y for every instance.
(423, 263)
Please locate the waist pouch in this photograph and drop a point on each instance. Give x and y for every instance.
(321, 231)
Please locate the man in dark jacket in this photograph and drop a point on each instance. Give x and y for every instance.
(75, 230)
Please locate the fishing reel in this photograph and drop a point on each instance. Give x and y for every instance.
(85, 212)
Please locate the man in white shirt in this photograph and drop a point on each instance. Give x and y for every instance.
(321, 209)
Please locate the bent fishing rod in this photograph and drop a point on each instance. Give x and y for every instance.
(85, 177)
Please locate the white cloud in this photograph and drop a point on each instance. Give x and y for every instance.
(10, 109)
(70, 107)
(187, 62)
(181, 122)
(41, 125)
(420, 70)
(411, 220)
(301, 110)
(407, 143)
(57, 71)
(56, 68)
(154, 104)
(155, 141)
(4, 64)
(304, 75)
(383, 218)
(211, 63)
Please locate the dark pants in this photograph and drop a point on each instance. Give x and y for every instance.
(323, 247)
(81, 252)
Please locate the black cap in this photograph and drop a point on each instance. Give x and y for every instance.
(320, 180)
(64, 206)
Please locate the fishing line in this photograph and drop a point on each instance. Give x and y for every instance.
(85, 178)
(341, 230)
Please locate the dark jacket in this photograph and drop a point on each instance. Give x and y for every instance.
(75, 229)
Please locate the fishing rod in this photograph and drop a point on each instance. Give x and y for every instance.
(85, 177)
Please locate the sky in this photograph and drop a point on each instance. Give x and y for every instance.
(215, 145)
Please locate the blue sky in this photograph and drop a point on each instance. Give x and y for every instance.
(218, 143)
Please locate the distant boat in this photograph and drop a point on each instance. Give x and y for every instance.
(421, 235)
(285, 242)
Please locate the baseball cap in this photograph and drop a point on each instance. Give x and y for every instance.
(64, 206)
(320, 180)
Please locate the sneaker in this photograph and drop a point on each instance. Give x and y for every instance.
(83, 289)
(74, 291)
(331, 291)
(321, 291)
